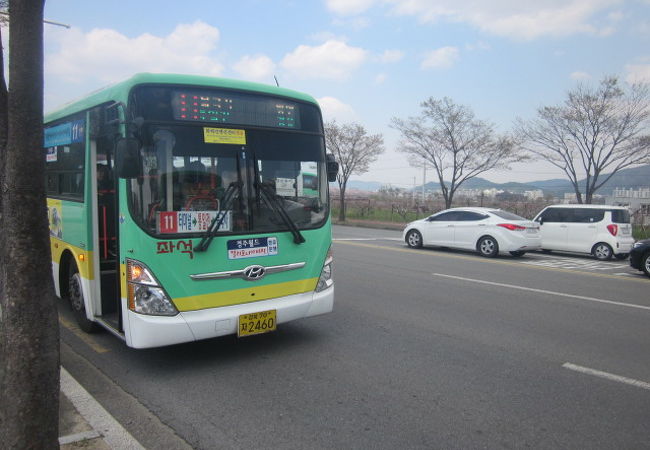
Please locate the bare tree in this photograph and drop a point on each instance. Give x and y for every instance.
(594, 134)
(354, 150)
(454, 142)
(29, 331)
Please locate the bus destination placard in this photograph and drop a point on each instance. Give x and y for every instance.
(250, 248)
(189, 221)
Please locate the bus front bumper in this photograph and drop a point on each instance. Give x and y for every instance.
(155, 331)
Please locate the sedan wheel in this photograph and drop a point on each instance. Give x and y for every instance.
(602, 251)
(645, 263)
(414, 239)
(488, 247)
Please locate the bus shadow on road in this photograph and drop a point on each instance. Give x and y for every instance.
(229, 350)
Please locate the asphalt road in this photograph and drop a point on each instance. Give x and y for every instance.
(425, 349)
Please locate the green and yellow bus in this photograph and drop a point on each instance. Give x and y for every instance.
(177, 209)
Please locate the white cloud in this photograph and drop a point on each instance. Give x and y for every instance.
(380, 78)
(333, 60)
(442, 58)
(324, 36)
(579, 76)
(638, 73)
(107, 55)
(256, 68)
(478, 46)
(349, 7)
(334, 108)
(391, 56)
(519, 19)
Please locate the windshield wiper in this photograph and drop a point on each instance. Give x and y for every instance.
(211, 232)
(278, 208)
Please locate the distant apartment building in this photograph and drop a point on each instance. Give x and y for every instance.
(571, 197)
(534, 194)
(638, 200)
(477, 193)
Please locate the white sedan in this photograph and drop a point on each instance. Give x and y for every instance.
(489, 231)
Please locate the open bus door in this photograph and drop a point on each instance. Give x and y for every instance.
(104, 132)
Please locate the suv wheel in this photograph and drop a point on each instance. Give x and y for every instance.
(602, 251)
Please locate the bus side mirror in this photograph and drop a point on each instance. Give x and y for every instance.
(332, 168)
(127, 158)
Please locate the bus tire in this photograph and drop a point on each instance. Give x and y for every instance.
(77, 301)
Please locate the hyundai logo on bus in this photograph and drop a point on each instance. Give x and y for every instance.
(252, 273)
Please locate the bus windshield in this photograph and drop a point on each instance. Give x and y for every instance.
(186, 172)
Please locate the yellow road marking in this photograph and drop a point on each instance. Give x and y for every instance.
(83, 336)
(493, 261)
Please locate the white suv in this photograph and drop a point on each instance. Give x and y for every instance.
(602, 230)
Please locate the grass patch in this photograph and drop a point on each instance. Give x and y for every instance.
(640, 232)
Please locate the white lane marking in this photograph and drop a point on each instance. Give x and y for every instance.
(575, 264)
(354, 239)
(543, 291)
(367, 239)
(607, 375)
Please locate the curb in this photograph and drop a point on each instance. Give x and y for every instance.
(104, 427)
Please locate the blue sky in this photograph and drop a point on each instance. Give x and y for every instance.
(364, 60)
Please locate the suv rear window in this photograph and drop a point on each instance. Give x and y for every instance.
(620, 216)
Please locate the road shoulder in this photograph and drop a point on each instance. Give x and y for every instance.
(142, 425)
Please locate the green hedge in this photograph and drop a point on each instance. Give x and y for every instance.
(640, 232)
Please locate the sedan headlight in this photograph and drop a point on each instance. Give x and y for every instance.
(637, 244)
(325, 279)
(144, 293)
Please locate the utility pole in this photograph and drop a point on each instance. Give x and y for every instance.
(424, 180)
(414, 186)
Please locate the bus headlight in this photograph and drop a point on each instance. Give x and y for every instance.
(325, 279)
(145, 296)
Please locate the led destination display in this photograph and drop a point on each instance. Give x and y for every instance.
(233, 108)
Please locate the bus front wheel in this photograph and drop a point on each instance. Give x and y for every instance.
(77, 302)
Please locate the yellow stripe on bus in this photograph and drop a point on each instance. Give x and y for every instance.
(239, 296)
(83, 258)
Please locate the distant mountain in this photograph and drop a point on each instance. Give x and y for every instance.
(627, 178)
(370, 186)
(632, 178)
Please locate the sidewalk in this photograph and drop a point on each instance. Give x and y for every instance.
(84, 423)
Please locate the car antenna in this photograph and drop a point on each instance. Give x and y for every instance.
(276, 81)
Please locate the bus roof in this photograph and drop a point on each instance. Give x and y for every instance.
(120, 91)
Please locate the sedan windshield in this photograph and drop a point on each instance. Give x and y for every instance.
(186, 177)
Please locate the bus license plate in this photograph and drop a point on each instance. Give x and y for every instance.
(257, 323)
